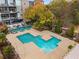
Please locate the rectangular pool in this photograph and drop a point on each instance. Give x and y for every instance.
(46, 46)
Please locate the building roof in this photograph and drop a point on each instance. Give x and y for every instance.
(73, 54)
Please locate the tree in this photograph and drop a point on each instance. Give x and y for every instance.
(58, 8)
(70, 32)
(45, 20)
(75, 12)
(75, 5)
(58, 26)
(41, 15)
(66, 11)
(33, 13)
(76, 19)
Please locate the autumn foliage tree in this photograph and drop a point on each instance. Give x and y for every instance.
(39, 15)
(32, 13)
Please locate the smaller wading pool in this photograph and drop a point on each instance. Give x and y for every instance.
(21, 29)
(46, 46)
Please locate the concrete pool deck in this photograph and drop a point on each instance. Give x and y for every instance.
(31, 51)
(46, 37)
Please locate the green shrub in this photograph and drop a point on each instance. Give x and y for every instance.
(58, 26)
(70, 32)
(2, 37)
(70, 47)
(7, 51)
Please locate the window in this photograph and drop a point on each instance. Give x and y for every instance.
(4, 16)
(13, 9)
(7, 22)
(3, 9)
(13, 15)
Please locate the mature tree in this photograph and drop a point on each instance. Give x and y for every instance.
(45, 20)
(75, 5)
(33, 13)
(41, 15)
(66, 11)
(75, 12)
(58, 8)
(75, 21)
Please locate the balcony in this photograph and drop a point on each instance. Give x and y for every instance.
(5, 10)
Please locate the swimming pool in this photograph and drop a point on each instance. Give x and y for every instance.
(21, 29)
(46, 46)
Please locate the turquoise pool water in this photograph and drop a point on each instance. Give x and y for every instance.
(21, 29)
(46, 46)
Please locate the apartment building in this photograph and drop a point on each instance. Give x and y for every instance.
(26, 3)
(11, 10)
